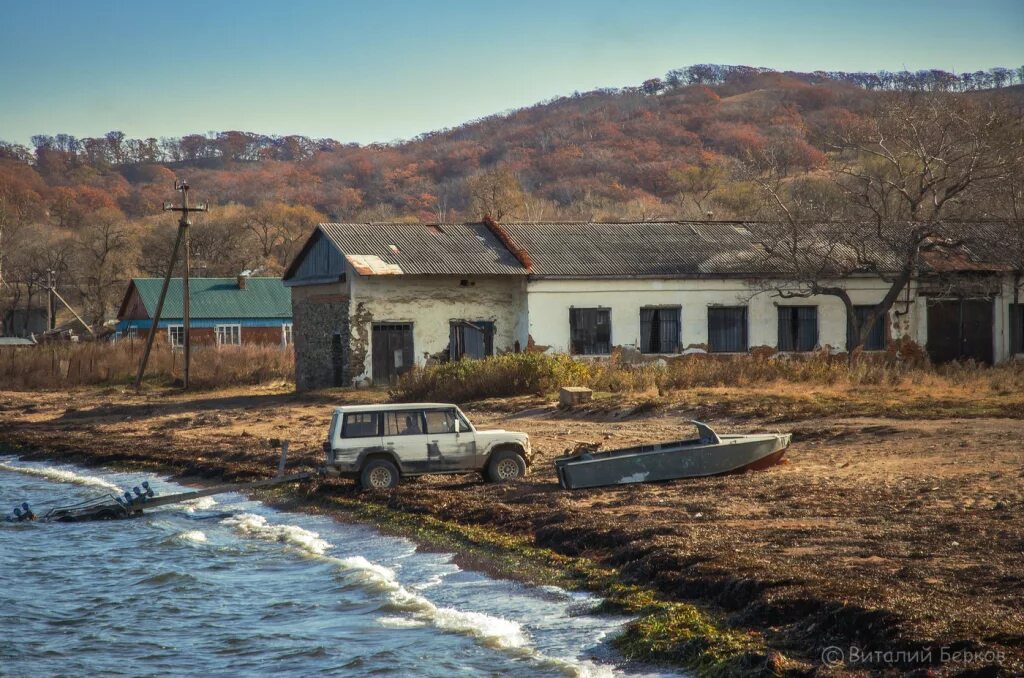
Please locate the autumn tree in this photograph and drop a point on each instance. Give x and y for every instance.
(915, 163)
(496, 192)
(103, 262)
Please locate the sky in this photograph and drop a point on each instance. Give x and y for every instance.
(384, 70)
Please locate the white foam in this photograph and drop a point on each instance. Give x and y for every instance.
(201, 504)
(195, 536)
(253, 525)
(488, 630)
(401, 622)
(60, 476)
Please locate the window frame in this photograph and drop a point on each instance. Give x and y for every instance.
(234, 327)
(881, 325)
(171, 331)
(573, 327)
(287, 334)
(678, 310)
(486, 327)
(796, 344)
(345, 424)
(403, 413)
(1016, 333)
(450, 412)
(745, 325)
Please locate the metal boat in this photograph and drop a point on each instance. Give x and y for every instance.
(709, 454)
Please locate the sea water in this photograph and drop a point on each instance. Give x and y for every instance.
(226, 586)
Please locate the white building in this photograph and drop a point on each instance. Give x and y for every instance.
(370, 300)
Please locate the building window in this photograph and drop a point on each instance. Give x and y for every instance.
(286, 335)
(131, 333)
(876, 337)
(798, 328)
(659, 330)
(471, 339)
(727, 329)
(228, 335)
(1016, 328)
(590, 331)
(176, 336)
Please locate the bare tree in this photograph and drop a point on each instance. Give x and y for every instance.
(917, 162)
(496, 193)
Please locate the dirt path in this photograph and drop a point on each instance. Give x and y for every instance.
(890, 535)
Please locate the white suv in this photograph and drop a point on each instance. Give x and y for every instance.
(378, 444)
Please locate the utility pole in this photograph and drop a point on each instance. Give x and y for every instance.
(49, 299)
(183, 236)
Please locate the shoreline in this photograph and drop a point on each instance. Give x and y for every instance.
(715, 651)
(700, 606)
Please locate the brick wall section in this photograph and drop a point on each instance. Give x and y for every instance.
(205, 336)
(317, 319)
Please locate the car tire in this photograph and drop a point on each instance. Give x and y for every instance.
(378, 474)
(505, 466)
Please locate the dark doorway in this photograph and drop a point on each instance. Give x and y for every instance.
(337, 360)
(392, 351)
(960, 329)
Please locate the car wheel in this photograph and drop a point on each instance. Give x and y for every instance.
(378, 474)
(506, 465)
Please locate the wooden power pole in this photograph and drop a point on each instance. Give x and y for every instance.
(183, 237)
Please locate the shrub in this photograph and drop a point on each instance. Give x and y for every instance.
(508, 374)
(541, 373)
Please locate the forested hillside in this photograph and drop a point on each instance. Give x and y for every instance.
(681, 146)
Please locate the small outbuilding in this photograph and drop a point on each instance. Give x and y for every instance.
(223, 311)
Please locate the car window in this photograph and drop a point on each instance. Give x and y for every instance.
(360, 425)
(403, 423)
(440, 421)
(464, 426)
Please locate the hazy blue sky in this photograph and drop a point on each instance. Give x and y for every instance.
(383, 70)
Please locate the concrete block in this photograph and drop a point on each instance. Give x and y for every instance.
(574, 395)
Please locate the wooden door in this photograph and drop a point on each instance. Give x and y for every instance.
(960, 329)
(392, 351)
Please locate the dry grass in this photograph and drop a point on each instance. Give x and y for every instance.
(54, 366)
(532, 373)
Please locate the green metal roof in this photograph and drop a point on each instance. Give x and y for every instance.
(219, 298)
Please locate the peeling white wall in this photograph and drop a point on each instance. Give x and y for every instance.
(550, 300)
(430, 303)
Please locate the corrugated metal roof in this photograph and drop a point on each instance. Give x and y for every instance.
(653, 249)
(219, 298)
(424, 249)
(636, 249)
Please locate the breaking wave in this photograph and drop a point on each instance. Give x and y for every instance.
(60, 476)
(488, 630)
(201, 504)
(194, 536)
(252, 525)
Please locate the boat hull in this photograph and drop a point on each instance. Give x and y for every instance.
(671, 461)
